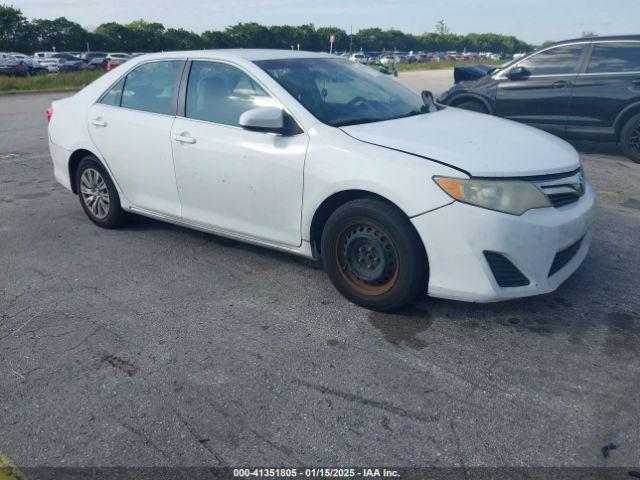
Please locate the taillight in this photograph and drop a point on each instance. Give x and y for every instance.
(49, 114)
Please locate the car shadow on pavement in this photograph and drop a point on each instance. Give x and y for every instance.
(140, 223)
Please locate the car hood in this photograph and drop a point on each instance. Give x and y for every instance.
(478, 144)
(471, 72)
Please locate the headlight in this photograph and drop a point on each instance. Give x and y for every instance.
(508, 196)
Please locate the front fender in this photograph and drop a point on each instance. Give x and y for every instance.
(337, 163)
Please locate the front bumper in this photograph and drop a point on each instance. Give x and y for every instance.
(457, 235)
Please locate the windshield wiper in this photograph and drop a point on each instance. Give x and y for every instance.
(358, 121)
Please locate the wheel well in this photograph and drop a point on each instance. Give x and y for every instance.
(624, 118)
(468, 98)
(74, 161)
(330, 205)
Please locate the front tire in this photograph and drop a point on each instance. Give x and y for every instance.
(98, 195)
(373, 255)
(630, 139)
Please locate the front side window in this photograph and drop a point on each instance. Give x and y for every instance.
(220, 93)
(555, 61)
(339, 92)
(152, 87)
(113, 96)
(615, 58)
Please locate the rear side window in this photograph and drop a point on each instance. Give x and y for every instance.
(113, 96)
(152, 87)
(615, 57)
(563, 60)
(220, 93)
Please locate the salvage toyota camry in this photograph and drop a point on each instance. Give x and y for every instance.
(328, 159)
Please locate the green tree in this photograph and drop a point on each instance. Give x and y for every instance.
(17, 33)
(441, 27)
(117, 37)
(148, 36)
(181, 39)
(60, 33)
(214, 39)
(324, 33)
(14, 30)
(249, 35)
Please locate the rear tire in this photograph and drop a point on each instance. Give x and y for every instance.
(373, 255)
(630, 139)
(472, 106)
(98, 195)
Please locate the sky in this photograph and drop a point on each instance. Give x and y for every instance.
(531, 20)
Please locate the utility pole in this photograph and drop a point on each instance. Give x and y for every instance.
(351, 38)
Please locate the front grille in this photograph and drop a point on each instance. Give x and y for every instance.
(505, 272)
(564, 189)
(564, 256)
(562, 199)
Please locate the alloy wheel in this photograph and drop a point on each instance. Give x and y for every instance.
(95, 193)
(634, 139)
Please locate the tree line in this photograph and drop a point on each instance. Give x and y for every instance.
(17, 33)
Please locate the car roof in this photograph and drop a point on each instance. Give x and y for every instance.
(251, 54)
(601, 39)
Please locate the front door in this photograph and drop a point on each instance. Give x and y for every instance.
(237, 181)
(540, 94)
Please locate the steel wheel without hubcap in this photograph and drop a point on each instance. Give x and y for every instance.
(367, 258)
(95, 193)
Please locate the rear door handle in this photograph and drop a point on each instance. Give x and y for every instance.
(636, 81)
(560, 84)
(99, 122)
(184, 138)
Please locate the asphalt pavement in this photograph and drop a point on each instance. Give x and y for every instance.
(155, 345)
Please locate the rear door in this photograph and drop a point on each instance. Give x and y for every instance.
(541, 96)
(131, 127)
(610, 82)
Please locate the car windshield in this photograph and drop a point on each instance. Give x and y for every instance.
(339, 92)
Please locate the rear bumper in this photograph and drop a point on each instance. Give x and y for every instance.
(456, 237)
(60, 157)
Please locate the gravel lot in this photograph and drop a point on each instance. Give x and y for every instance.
(156, 345)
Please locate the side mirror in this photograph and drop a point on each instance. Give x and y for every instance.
(263, 119)
(429, 102)
(518, 73)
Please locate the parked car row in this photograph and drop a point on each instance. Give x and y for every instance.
(420, 57)
(21, 65)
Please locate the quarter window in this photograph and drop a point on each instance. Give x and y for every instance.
(152, 87)
(113, 96)
(563, 60)
(615, 57)
(220, 93)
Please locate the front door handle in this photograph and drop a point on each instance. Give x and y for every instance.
(99, 122)
(635, 81)
(184, 138)
(560, 84)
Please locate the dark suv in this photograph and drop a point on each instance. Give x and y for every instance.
(587, 88)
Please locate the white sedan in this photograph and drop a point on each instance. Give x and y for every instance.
(328, 159)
